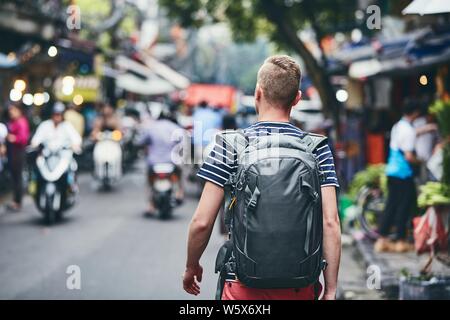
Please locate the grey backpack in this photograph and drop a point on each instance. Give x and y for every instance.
(273, 210)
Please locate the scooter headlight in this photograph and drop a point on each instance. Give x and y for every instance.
(116, 135)
(50, 188)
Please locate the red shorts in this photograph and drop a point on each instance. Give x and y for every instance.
(237, 291)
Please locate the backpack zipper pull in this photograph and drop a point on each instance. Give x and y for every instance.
(233, 201)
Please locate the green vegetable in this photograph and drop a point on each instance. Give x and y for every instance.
(434, 194)
(441, 110)
(373, 176)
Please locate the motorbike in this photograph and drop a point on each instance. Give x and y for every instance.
(162, 186)
(53, 180)
(129, 142)
(107, 156)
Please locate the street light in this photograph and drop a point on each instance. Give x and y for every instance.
(78, 99)
(68, 82)
(38, 99)
(52, 51)
(46, 97)
(423, 80)
(27, 99)
(342, 95)
(20, 85)
(15, 95)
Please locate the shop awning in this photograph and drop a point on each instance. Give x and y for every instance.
(152, 78)
(364, 69)
(148, 86)
(423, 7)
(215, 94)
(409, 53)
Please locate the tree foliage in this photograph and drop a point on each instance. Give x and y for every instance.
(280, 20)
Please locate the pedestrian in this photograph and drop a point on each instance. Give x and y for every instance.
(17, 140)
(427, 137)
(3, 134)
(75, 118)
(277, 203)
(401, 200)
(206, 123)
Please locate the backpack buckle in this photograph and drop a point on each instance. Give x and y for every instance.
(240, 183)
(323, 265)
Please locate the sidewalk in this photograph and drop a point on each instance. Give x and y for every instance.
(392, 264)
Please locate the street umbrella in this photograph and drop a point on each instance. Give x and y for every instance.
(423, 7)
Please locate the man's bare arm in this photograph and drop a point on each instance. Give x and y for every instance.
(200, 229)
(331, 240)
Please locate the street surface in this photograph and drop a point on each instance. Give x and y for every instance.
(121, 254)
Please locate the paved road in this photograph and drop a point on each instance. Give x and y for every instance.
(121, 254)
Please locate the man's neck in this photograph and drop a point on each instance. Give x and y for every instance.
(275, 115)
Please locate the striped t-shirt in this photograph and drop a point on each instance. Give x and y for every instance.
(216, 170)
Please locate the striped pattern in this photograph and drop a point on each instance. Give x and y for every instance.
(221, 162)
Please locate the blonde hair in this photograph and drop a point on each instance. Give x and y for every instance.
(279, 78)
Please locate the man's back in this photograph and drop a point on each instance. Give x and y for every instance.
(218, 171)
(161, 136)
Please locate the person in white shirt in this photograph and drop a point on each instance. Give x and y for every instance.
(57, 130)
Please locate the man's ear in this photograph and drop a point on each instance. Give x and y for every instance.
(297, 98)
(258, 93)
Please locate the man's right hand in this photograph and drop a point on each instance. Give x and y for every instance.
(329, 296)
(190, 278)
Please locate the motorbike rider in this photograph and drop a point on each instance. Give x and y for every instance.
(107, 120)
(160, 137)
(57, 130)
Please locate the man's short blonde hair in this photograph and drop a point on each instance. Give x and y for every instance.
(279, 78)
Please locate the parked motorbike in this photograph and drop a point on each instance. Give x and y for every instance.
(163, 184)
(53, 180)
(108, 158)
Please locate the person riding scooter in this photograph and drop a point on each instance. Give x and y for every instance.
(56, 129)
(53, 182)
(107, 150)
(161, 138)
(107, 120)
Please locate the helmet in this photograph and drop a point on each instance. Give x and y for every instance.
(58, 108)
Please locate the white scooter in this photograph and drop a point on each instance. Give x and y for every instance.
(53, 183)
(108, 158)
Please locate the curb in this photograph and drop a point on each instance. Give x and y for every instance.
(390, 280)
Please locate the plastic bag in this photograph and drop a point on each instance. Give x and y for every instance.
(429, 232)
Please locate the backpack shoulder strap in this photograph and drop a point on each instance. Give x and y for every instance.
(312, 141)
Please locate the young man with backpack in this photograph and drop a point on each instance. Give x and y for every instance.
(279, 187)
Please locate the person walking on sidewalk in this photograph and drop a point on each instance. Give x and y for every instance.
(17, 140)
(402, 198)
(292, 217)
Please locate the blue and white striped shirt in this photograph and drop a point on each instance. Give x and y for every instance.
(216, 170)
